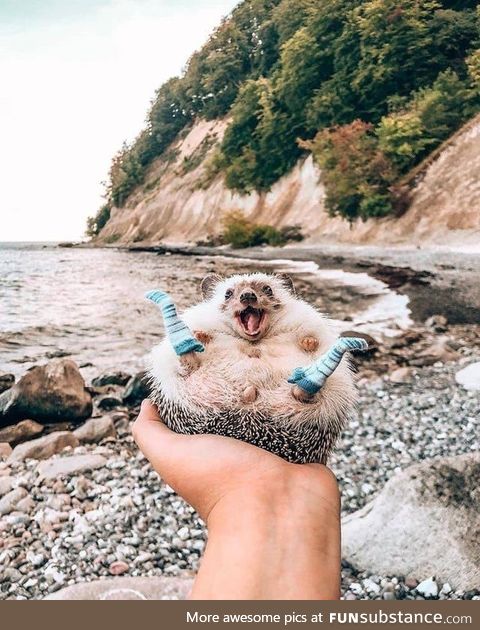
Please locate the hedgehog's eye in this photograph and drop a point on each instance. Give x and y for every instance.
(267, 290)
(228, 294)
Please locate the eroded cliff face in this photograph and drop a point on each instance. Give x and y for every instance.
(174, 205)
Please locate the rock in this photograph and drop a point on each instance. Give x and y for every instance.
(11, 575)
(44, 447)
(57, 576)
(47, 393)
(127, 588)
(424, 522)
(350, 596)
(108, 401)
(438, 323)
(469, 377)
(121, 421)
(71, 465)
(137, 389)
(5, 450)
(6, 381)
(370, 586)
(411, 582)
(118, 568)
(428, 588)
(57, 354)
(95, 430)
(473, 594)
(6, 484)
(25, 505)
(446, 589)
(20, 432)
(111, 378)
(10, 500)
(17, 519)
(401, 375)
(440, 350)
(406, 339)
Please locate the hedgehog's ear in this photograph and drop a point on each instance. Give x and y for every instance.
(287, 282)
(209, 283)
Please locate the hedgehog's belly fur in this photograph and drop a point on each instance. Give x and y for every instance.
(307, 442)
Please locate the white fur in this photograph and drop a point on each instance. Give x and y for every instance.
(226, 369)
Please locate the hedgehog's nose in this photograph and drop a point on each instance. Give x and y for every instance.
(248, 297)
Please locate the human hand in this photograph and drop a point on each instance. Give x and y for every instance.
(278, 523)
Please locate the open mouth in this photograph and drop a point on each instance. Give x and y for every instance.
(250, 320)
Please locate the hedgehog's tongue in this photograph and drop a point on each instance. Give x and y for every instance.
(251, 320)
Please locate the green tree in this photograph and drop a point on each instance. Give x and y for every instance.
(96, 223)
(406, 136)
(301, 71)
(473, 67)
(356, 172)
(289, 16)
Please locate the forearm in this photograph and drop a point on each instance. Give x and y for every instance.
(283, 544)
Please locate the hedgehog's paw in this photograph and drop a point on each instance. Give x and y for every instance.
(189, 362)
(202, 336)
(309, 344)
(301, 395)
(249, 394)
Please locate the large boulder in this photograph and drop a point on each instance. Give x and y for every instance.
(6, 381)
(137, 389)
(20, 432)
(44, 447)
(95, 430)
(426, 521)
(127, 588)
(469, 377)
(111, 378)
(71, 465)
(47, 393)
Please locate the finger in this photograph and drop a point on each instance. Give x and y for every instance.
(161, 446)
(148, 411)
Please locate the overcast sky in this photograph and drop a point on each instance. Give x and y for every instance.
(76, 79)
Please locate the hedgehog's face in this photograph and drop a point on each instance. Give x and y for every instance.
(249, 304)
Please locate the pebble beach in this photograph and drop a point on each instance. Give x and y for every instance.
(109, 514)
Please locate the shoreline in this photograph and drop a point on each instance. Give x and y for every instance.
(436, 282)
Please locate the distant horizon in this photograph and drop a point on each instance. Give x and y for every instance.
(39, 242)
(78, 78)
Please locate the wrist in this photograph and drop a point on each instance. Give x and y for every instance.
(299, 493)
(277, 536)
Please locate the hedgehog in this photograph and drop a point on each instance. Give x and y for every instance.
(253, 361)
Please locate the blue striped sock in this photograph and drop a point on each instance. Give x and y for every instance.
(312, 378)
(178, 332)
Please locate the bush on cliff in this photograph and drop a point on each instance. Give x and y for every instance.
(434, 113)
(356, 171)
(239, 232)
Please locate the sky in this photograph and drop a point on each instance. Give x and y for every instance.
(76, 80)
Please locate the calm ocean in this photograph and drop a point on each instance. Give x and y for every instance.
(88, 304)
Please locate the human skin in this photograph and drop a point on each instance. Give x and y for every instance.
(273, 527)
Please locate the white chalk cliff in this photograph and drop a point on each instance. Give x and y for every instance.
(172, 206)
